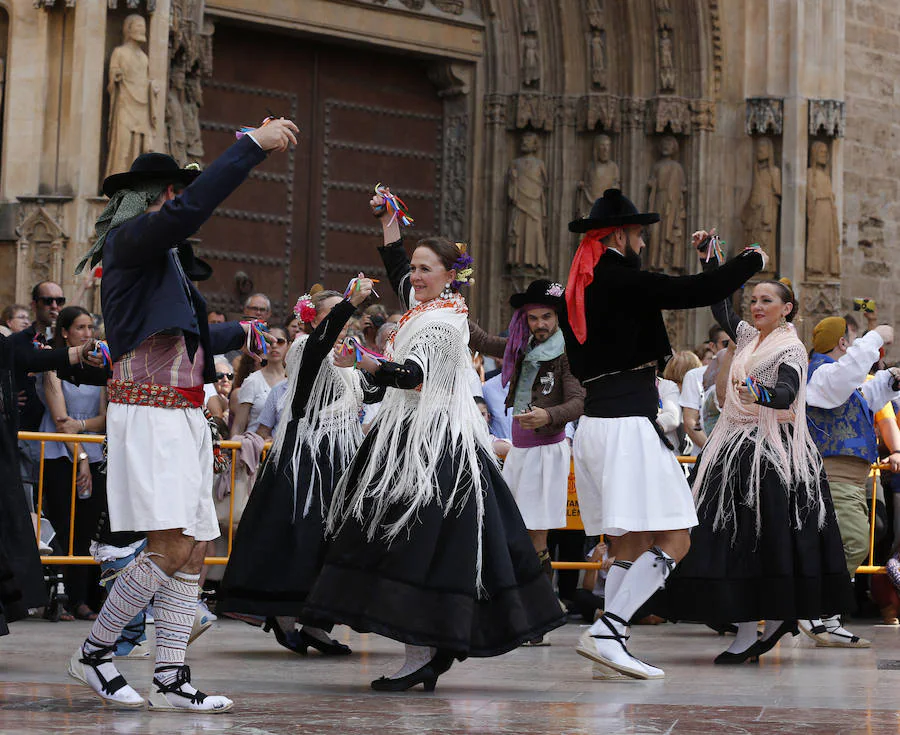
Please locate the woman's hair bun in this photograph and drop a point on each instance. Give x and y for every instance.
(787, 282)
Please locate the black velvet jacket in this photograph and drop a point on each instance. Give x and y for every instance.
(623, 311)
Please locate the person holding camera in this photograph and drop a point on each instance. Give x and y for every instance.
(841, 416)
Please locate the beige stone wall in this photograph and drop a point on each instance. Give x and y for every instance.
(871, 157)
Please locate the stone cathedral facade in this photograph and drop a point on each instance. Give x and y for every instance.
(497, 121)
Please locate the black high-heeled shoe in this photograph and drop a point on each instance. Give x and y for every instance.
(332, 648)
(424, 675)
(764, 646)
(728, 658)
(285, 638)
(441, 662)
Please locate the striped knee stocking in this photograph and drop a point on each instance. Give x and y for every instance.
(174, 608)
(133, 590)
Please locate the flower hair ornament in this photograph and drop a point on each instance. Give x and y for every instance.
(304, 309)
(464, 266)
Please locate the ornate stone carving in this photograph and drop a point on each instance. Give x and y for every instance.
(822, 233)
(718, 47)
(666, 61)
(667, 189)
(602, 174)
(40, 247)
(598, 59)
(453, 7)
(131, 95)
(528, 15)
(531, 61)
(455, 175)
(670, 114)
(634, 112)
(190, 61)
(827, 117)
(527, 194)
(593, 9)
(495, 109)
(535, 111)
(601, 112)
(130, 4)
(817, 301)
(760, 213)
(50, 4)
(703, 115)
(765, 116)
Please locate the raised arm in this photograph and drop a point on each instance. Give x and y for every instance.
(148, 237)
(392, 253)
(722, 311)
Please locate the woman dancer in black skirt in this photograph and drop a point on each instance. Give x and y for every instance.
(767, 545)
(279, 546)
(429, 547)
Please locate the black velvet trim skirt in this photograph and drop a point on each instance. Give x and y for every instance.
(420, 588)
(278, 552)
(784, 573)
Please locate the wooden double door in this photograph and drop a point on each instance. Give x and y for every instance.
(365, 117)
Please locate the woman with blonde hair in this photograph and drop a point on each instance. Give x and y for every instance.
(679, 365)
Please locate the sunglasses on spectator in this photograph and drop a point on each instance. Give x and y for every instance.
(47, 300)
(219, 376)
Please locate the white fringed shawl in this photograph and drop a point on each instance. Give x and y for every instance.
(792, 454)
(415, 429)
(332, 411)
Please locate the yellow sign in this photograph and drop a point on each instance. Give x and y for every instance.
(573, 514)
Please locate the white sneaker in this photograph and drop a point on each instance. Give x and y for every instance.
(180, 696)
(611, 652)
(203, 620)
(98, 672)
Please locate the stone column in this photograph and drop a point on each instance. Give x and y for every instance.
(158, 52)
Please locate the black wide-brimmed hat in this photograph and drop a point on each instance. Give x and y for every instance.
(195, 268)
(541, 291)
(613, 209)
(150, 167)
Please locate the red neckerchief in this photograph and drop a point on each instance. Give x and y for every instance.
(581, 275)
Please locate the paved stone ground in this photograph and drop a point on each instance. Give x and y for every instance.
(795, 689)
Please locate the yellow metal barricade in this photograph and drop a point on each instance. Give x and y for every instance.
(573, 515)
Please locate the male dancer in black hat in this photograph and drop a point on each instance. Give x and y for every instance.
(159, 463)
(630, 485)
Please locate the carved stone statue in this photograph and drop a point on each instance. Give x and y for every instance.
(666, 61)
(176, 133)
(527, 193)
(193, 91)
(598, 60)
(531, 61)
(601, 175)
(760, 213)
(822, 234)
(668, 186)
(529, 16)
(131, 96)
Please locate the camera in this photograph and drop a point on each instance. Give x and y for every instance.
(866, 305)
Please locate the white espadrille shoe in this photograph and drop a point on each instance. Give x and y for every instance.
(608, 649)
(181, 696)
(97, 671)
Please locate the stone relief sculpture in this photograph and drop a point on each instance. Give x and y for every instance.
(528, 14)
(760, 213)
(602, 174)
(176, 132)
(822, 234)
(668, 187)
(131, 97)
(531, 61)
(193, 92)
(527, 194)
(598, 59)
(666, 61)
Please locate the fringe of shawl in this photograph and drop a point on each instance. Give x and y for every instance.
(415, 429)
(792, 455)
(332, 413)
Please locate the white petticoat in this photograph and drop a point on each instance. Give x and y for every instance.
(627, 479)
(538, 478)
(159, 470)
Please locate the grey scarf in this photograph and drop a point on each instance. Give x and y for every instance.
(125, 204)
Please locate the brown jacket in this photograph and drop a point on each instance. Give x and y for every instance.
(555, 389)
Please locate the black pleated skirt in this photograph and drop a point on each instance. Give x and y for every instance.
(278, 551)
(787, 572)
(420, 588)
